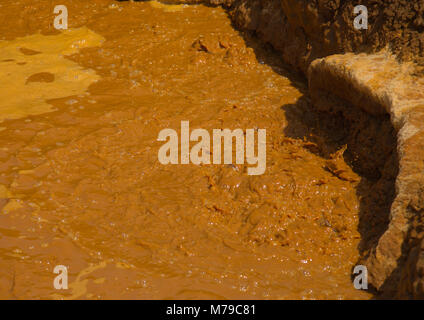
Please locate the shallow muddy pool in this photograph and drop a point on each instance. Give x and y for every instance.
(81, 184)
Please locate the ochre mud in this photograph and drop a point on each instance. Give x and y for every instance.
(373, 101)
(82, 186)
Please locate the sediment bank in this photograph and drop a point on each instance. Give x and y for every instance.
(383, 89)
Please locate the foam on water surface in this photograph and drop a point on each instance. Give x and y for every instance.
(167, 7)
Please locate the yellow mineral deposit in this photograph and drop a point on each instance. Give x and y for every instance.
(34, 69)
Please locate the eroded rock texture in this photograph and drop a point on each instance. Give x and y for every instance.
(379, 86)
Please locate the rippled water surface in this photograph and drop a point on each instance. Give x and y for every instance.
(80, 180)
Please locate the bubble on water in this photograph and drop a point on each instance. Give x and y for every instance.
(134, 84)
(71, 101)
(243, 288)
